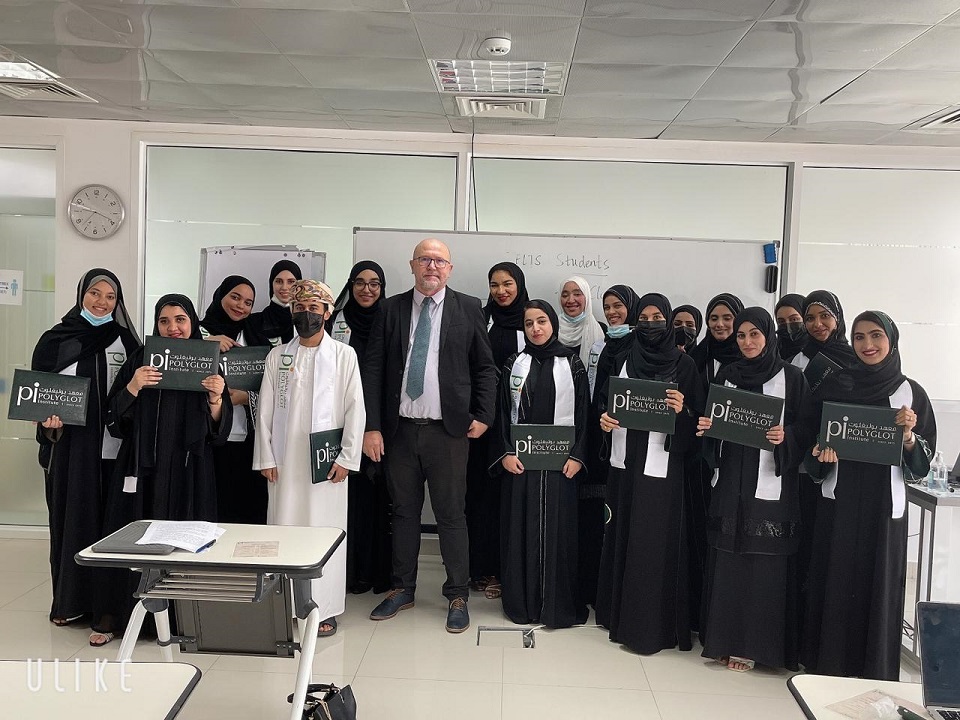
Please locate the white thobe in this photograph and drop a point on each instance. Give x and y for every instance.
(293, 498)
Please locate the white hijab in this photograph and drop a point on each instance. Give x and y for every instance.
(584, 333)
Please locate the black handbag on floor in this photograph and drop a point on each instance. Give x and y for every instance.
(332, 703)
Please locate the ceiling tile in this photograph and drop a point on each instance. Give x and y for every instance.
(936, 49)
(850, 135)
(377, 102)
(915, 139)
(182, 28)
(145, 94)
(609, 128)
(365, 73)
(838, 46)
(281, 119)
(886, 114)
(787, 85)
(173, 115)
(738, 133)
(501, 126)
(921, 12)
(674, 81)
(231, 68)
(96, 62)
(902, 86)
(399, 121)
(454, 37)
(131, 3)
(329, 32)
(657, 42)
(560, 8)
(678, 9)
(620, 107)
(86, 111)
(357, 5)
(259, 98)
(733, 113)
(53, 23)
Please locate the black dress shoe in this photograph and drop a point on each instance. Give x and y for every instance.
(394, 602)
(458, 619)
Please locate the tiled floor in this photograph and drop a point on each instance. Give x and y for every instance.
(409, 668)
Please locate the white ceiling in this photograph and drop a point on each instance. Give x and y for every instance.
(832, 71)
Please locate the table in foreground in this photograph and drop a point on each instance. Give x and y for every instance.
(94, 689)
(814, 693)
(222, 574)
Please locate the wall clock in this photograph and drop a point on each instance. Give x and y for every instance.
(95, 211)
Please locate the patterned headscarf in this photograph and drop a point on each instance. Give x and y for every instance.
(304, 290)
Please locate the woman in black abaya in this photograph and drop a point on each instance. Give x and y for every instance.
(92, 340)
(791, 331)
(687, 324)
(826, 331)
(751, 600)
(719, 348)
(275, 321)
(241, 491)
(504, 315)
(165, 465)
(858, 569)
(642, 594)
(546, 384)
(368, 502)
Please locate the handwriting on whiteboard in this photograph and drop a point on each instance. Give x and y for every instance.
(597, 263)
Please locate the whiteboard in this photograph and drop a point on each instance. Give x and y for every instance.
(686, 270)
(254, 263)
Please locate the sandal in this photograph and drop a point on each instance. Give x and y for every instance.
(746, 664)
(480, 583)
(330, 623)
(493, 590)
(63, 622)
(96, 642)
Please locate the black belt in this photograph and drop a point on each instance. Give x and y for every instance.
(420, 421)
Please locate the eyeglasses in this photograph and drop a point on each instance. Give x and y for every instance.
(360, 284)
(438, 263)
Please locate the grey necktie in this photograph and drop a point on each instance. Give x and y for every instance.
(418, 355)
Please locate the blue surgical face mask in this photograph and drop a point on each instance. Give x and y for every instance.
(93, 319)
(618, 331)
(574, 320)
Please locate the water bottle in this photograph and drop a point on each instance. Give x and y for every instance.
(937, 479)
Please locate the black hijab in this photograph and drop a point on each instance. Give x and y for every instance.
(864, 384)
(180, 301)
(73, 338)
(359, 318)
(216, 320)
(752, 373)
(631, 300)
(725, 351)
(276, 320)
(506, 320)
(790, 346)
(654, 353)
(697, 321)
(544, 396)
(836, 347)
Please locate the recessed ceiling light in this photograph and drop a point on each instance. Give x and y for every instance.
(17, 67)
(499, 77)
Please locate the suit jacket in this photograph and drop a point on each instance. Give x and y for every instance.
(466, 371)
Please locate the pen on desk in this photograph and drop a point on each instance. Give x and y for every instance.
(204, 547)
(907, 714)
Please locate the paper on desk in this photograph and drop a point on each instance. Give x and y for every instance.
(190, 536)
(854, 707)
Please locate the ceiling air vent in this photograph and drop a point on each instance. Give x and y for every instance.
(948, 121)
(41, 90)
(502, 108)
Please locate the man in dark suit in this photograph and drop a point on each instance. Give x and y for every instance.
(429, 384)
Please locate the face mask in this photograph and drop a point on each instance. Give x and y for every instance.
(307, 324)
(650, 331)
(684, 336)
(793, 331)
(93, 319)
(574, 320)
(618, 331)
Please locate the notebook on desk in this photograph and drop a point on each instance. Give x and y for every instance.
(938, 627)
(125, 539)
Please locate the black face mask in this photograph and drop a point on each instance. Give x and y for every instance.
(650, 330)
(685, 336)
(307, 324)
(791, 331)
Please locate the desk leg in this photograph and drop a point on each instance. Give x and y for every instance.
(132, 632)
(308, 645)
(162, 619)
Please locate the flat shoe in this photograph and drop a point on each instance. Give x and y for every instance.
(493, 591)
(63, 622)
(96, 634)
(747, 663)
(332, 622)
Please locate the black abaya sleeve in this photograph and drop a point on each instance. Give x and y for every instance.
(581, 410)
(500, 444)
(691, 384)
(799, 421)
(219, 432)
(121, 405)
(916, 462)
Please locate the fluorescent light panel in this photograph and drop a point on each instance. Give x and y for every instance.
(499, 76)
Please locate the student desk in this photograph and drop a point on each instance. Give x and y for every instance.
(814, 692)
(216, 574)
(94, 690)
